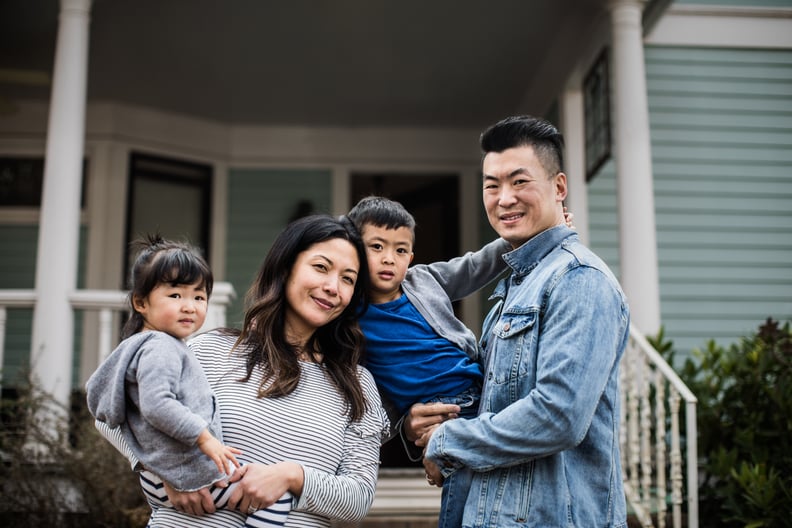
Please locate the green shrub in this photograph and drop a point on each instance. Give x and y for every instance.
(58, 470)
(744, 427)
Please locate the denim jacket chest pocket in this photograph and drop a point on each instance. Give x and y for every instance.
(512, 358)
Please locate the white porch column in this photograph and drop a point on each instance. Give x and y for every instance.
(574, 129)
(59, 223)
(637, 235)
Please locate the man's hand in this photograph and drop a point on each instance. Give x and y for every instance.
(192, 502)
(424, 440)
(424, 417)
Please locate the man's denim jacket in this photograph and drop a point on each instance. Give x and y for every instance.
(544, 449)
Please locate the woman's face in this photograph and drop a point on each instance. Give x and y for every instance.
(319, 287)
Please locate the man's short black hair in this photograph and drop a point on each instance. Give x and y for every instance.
(525, 130)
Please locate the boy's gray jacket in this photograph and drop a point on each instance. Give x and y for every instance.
(153, 387)
(431, 288)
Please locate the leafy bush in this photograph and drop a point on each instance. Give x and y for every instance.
(744, 427)
(58, 470)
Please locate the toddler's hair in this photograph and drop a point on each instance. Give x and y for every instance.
(161, 261)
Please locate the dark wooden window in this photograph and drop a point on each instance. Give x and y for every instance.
(596, 100)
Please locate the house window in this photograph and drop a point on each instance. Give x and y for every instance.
(22, 179)
(170, 197)
(596, 100)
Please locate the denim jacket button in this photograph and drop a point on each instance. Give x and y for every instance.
(506, 327)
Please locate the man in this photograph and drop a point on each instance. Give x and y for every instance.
(544, 449)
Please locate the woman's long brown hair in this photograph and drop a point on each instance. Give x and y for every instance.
(340, 341)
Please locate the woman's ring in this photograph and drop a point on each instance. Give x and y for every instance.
(252, 510)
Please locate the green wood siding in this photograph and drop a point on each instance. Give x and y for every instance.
(721, 125)
(603, 216)
(260, 204)
(18, 271)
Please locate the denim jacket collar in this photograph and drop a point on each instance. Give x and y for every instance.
(526, 257)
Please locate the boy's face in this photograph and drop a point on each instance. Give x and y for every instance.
(389, 253)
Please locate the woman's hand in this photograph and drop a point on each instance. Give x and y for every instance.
(193, 502)
(261, 485)
(422, 417)
(433, 475)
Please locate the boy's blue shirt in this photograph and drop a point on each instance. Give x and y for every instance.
(409, 360)
(432, 288)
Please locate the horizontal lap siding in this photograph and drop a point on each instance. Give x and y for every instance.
(603, 216)
(18, 271)
(721, 125)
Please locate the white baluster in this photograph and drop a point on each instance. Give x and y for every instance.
(105, 333)
(646, 437)
(632, 424)
(676, 459)
(660, 447)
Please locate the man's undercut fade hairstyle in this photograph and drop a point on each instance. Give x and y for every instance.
(381, 212)
(527, 131)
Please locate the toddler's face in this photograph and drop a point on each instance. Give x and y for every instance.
(176, 309)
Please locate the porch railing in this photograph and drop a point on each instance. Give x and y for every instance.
(108, 304)
(659, 462)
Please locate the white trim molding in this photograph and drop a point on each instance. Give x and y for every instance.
(719, 26)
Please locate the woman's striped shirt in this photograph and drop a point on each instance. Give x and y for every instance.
(310, 426)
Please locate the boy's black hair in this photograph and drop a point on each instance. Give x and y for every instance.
(381, 212)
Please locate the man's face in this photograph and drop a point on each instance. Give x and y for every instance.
(520, 197)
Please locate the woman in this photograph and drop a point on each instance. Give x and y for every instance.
(292, 397)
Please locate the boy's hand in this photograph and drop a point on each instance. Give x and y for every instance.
(569, 218)
(221, 455)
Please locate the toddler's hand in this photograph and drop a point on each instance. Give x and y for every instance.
(221, 455)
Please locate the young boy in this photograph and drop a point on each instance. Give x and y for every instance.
(416, 348)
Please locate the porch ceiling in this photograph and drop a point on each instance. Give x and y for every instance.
(314, 62)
